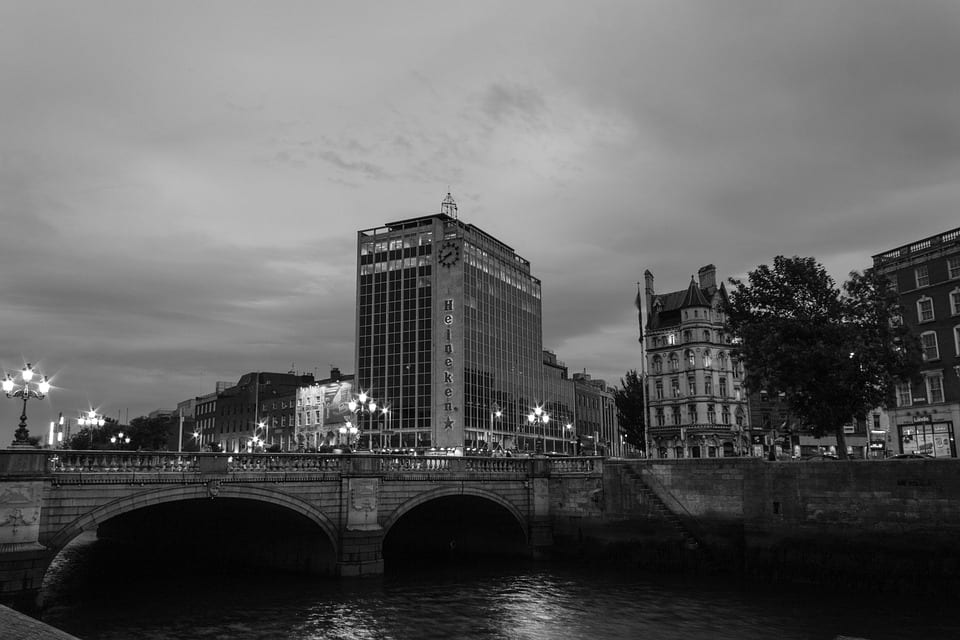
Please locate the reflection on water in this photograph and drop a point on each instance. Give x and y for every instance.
(99, 590)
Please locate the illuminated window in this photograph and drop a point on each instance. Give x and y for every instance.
(925, 309)
(922, 276)
(707, 361)
(691, 386)
(671, 339)
(675, 387)
(928, 343)
(691, 359)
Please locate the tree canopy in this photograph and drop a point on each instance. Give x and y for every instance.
(631, 409)
(834, 355)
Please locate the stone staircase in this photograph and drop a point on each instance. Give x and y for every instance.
(658, 506)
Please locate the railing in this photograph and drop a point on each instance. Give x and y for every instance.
(140, 462)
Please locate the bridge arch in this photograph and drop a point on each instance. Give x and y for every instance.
(93, 518)
(443, 492)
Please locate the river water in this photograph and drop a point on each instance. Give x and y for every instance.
(99, 590)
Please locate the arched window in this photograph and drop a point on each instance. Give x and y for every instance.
(674, 362)
(706, 359)
(687, 336)
(722, 360)
(657, 364)
(690, 358)
(706, 335)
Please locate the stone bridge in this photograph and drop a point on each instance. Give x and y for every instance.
(333, 514)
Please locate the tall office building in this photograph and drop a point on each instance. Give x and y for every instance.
(926, 273)
(448, 335)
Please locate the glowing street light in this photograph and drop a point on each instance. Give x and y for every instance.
(364, 403)
(24, 390)
(92, 419)
(495, 412)
(120, 440)
(568, 429)
(348, 432)
(541, 417)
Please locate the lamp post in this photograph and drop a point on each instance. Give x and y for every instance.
(364, 403)
(568, 429)
(541, 417)
(385, 412)
(24, 390)
(494, 413)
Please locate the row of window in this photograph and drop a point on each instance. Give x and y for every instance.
(934, 388)
(676, 415)
(925, 310)
(921, 274)
(673, 362)
(692, 388)
(688, 336)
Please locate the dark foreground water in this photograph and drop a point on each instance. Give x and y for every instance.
(96, 590)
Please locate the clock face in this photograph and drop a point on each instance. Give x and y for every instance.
(449, 254)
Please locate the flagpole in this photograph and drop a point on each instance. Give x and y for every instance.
(643, 374)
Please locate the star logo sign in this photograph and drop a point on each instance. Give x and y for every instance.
(448, 424)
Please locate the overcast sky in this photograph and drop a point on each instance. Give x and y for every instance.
(181, 182)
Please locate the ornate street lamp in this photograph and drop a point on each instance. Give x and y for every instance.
(495, 412)
(541, 417)
(568, 429)
(364, 403)
(24, 390)
(119, 440)
(92, 419)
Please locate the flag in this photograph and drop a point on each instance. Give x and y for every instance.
(638, 302)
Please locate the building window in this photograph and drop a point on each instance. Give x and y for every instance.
(707, 360)
(675, 387)
(922, 276)
(955, 302)
(659, 389)
(674, 362)
(671, 338)
(737, 393)
(934, 387)
(725, 414)
(706, 335)
(953, 267)
(723, 387)
(691, 359)
(691, 386)
(657, 364)
(928, 343)
(925, 309)
(722, 360)
(692, 413)
(687, 336)
(956, 340)
(661, 419)
(676, 415)
(708, 386)
(904, 395)
(711, 414)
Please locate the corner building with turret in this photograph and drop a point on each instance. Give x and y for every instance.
(696, 404)
(449, 337)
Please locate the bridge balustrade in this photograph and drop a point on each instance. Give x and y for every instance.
(139, 462)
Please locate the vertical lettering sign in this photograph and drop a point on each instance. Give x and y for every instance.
(448, 320)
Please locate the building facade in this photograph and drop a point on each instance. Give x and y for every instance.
(597, 428)
(926, 273)
(696, 403)
(448, 333)
(323, 412)
(250, 414)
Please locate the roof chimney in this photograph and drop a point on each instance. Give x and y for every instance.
(708, 278)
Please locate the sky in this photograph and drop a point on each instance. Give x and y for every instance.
(181, 182)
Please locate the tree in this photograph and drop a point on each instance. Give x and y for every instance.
(631, 409)
(92, 438)
(832, 355)
(152, 434)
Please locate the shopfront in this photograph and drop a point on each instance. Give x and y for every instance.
(928, 436)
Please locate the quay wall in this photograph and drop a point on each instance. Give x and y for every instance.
(886, 523)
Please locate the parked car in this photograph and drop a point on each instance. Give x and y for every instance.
(912, 456)
(820, 457)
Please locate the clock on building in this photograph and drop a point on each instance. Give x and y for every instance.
(449, 253)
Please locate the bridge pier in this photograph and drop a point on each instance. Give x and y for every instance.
(23, 560)
(361, 553)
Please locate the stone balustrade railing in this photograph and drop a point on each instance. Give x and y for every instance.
(138, 462)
